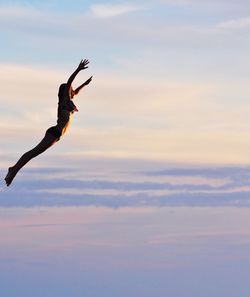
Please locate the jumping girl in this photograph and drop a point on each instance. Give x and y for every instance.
(66, 108)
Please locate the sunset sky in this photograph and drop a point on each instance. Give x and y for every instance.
(170, 78)
(147, 194)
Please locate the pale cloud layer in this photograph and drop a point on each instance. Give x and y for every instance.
(241, 23)
(112, 10)
(133, 183)
(124, 117)
(51, 27)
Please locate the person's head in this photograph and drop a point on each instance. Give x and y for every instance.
(62, 89)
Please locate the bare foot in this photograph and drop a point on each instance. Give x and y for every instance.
(10, 176)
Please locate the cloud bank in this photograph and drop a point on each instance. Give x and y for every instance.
(176, 186)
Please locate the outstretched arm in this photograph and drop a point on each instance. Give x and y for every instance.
(83, 65)
(77, 90)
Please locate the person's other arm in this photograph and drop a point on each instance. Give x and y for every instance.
(77, 90)
(83, 65)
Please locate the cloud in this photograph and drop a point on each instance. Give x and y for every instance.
(49, 27)
(15, 11)
(112, 10)
(153, 122)
(127, 117)
(241, 23)
(211, 3)
(35, 187)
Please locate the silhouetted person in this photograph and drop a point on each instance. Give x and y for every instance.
(66, 108)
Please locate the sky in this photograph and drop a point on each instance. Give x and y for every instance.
(95, 252)
(170, 78)
(147, 194)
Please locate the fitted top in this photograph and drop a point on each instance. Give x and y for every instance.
(65, 109)
(65, 103)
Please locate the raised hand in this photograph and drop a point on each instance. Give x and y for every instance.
(83, 64)
(88, 81)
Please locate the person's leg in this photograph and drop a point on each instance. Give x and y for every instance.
(46, 142)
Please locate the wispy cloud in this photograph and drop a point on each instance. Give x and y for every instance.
(51, 26)
(241, 23)
(211, 3)
(17, 11)
(112, 10)
(222, 186)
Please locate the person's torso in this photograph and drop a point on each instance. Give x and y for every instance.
(65, 104)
